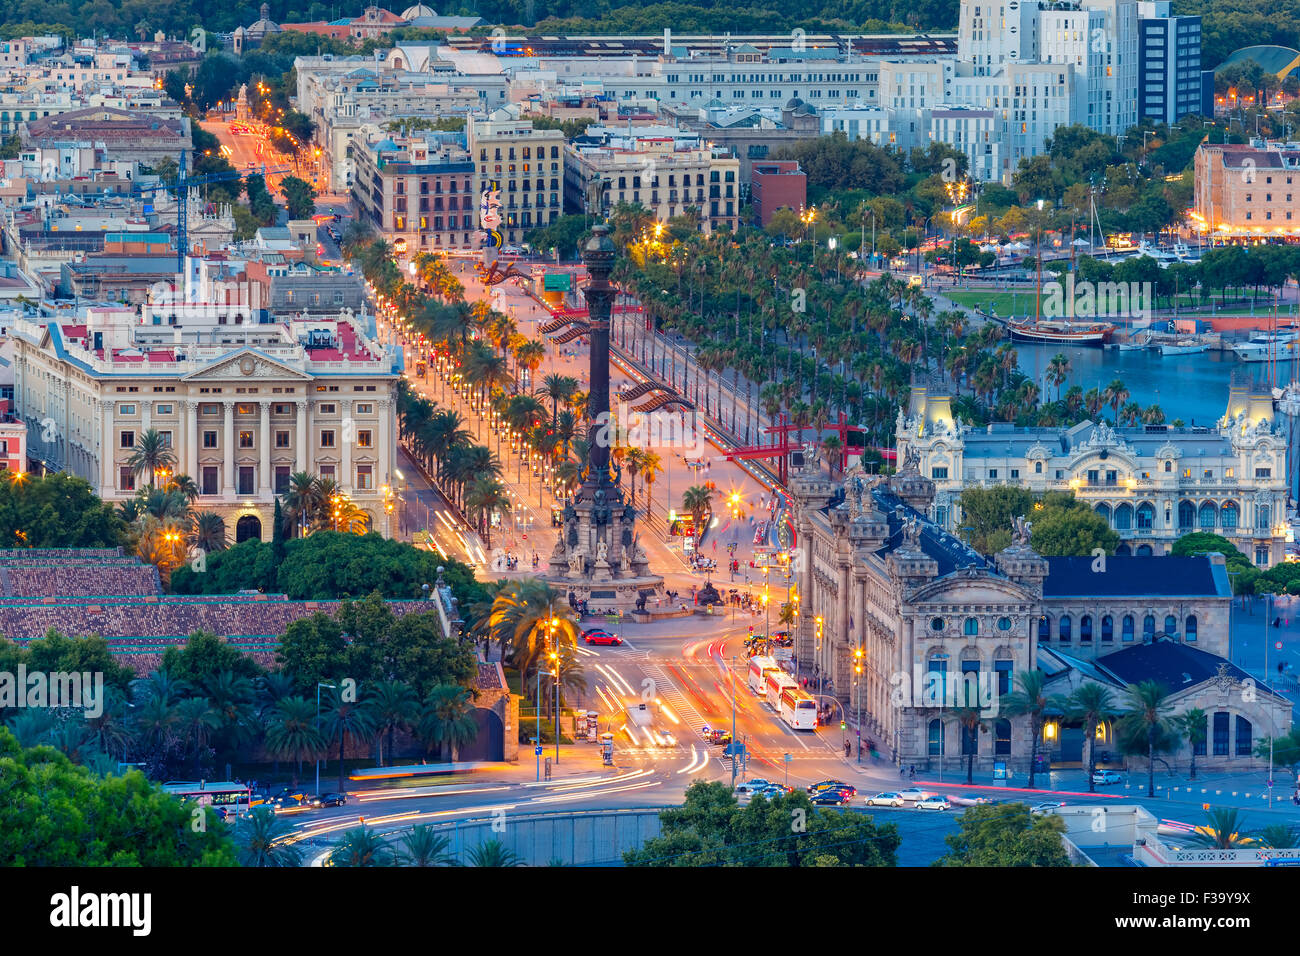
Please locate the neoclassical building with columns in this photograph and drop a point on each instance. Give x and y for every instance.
(915, 624)
(1152, 483)
(243, 401)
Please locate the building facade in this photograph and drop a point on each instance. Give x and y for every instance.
(418, 192)
(777, 185)
(243, 405)
(1169, 64)
(1247, 191)
(528, 165)
(1152, 483)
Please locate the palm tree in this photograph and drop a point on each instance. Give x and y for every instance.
(831, 448)
(1192, 725)
(292, 733)
(1058, 370)
(1092, 704)
(651, 468)
(446, 719)
(484, 498)
(528, 617)
(1224, 831)
(559, 389)
(344, 719)
(393, 704)
(196, 722)
(185, 485)
(971, 720)
(1146, 712)
(1116, 395)
(361, 847)
(152, 454)
(423, 847)
(1279, 836)
(1028, 700)
(493, 853)
(697, 500)
(301, 500)
(260, 839)
(207, 532)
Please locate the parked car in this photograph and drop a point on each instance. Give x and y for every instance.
(831, 798)
(887, 799)
(1106, 777)
(752, 786)
(935, 802)
(832, 785)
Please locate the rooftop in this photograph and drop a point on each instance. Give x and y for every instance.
(1133, 576)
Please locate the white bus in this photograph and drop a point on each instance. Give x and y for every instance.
(798, 710)
(759, 668)
(777, 682)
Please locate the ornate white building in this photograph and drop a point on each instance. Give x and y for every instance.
(1152, 483)
(914, 625)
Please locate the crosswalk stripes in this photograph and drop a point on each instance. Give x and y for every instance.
(665, 688)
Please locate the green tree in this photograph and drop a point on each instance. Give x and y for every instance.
(1028, 700)
(55, 813)
(446, 720)
(1147, 710)
(260, 838)
(1006, 834)
(1092, 705)
(989, 513)
(203, 656)
(1192, 725)
(343, 719)
(1064, 526)
(492, 853)
(361, 847)
(299, 197)
(56, 511)
(423, 846)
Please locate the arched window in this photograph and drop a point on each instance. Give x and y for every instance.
(1038, 470)
(1230, 514)
(1245, 737)
(1123, 517)
(1171, 624)
(971, 627)
(1148, 627)
(1063, 629)
(1199, 748)
(1208, 515)
(1169, 466)
(1107, 629)
(936, 738)
(1146, 515)
(970, 741)
(1186, 515)
(1085, 629)
(1220, 733)
(1001, 737)
(1103, 509)
(1127, 628)
(1189, 629)
(1044, 628)
(1263, 516)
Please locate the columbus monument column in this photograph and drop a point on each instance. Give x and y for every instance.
(599, 558)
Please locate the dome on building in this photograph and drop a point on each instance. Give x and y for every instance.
(417, 11)
(264, 25)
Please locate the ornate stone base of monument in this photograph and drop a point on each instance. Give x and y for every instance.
(599, 558)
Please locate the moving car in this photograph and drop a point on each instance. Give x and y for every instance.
(598, 635)
(969, 800)
(914, 793)
(330, 800)
(831, 798)
(1050, 806)
(717, 736)
(817, 788)
(889, 798)
(935, 802)
(663, 738)
(1107, 776)
(753, 786)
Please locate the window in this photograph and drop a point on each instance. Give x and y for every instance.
(209, 439)
(164, 409)
(1004, 624)
(993, 472)
(327, 471)
(1262, 515)
(281, 439)
(327, 439)
(1124, 517)
(936, 738)
(1146, 516)
(128, 439)
(1229, 515)
(1186, 515)
(1085, 629)
(126, 478)
(282, 473)
(209, 484)
(1263, 472)
(126, 410)
(1063, 628)
(970, 743)
(1002, 737)
(365, 477)
(1038, 468)
(1127, 629)
(245, 439)
(1169, 466)
(1171, 624)
(1148, 627)
(1199, 748)
(246, 479)
(1003, 670)
(364, 408)
(1107, 629)
(326, 408)
(971, 627)
(1220, 734)
(939, 474)
(364, 439)
(1245, 735)
(970, 684)
(1044, 628)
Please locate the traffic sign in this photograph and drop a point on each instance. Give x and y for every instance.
(1278, 646)
(786, 757)
(537, 751)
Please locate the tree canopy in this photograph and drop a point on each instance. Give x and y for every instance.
(1006, 834)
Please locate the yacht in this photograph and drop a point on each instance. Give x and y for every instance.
(1266, 346)
(1061, 332)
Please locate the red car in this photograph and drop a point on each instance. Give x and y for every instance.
(598, 636)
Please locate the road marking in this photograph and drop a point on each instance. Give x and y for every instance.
(665, 688)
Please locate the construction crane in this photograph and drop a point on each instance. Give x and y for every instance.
(182, 187)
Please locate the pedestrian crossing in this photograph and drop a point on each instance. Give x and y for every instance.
(668, 692)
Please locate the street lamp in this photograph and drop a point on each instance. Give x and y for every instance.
(857, 691)
(319, 685)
